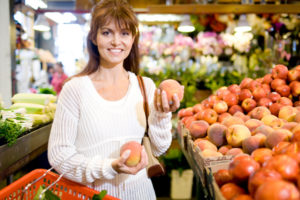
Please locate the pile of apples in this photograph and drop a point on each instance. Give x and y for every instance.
(241, 118)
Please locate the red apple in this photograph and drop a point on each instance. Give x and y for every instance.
(248, 104)
(295, 88)
(264, 102)
(197, 108)
(283, 90)
(231, 99)
(267, 88)
(267, 79)
(259, 93)
(293, 75)
(212, 99)
(277, 82)
(274, 108)
(235, 108)
(280, 71)
(223, 116)
(220, 106)
(285, 101)
(235, 89)
(274, 96)
(245, 83)
(244, 94)
(210, 115)
(253, 85)
(222, 92)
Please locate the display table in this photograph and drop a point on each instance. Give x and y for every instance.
(27, 148)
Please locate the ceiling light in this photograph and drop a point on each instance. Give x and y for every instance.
(41, 24)
(35, 4)
(186, 25)
(243, 25)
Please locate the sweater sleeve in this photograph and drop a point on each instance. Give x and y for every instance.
(62, 152)
(159, 123)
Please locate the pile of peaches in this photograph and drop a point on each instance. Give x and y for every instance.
(256, 122)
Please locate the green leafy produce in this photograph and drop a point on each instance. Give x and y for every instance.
(48, 195)
(10, 131)
(99, 196)
(47, 91)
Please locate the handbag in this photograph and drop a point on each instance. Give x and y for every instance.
(154, 167)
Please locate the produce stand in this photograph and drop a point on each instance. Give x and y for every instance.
(26, 148)
(203, 168)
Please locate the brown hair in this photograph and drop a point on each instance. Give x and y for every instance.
(102, 13)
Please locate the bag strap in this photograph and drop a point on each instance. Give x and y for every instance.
(146, 105)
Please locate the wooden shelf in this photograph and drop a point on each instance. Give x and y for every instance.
(225, 9)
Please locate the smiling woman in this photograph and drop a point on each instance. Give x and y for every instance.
(101, 108)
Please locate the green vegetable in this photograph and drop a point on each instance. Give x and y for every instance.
(48, 195)
(99, 196)
(47, 91)
(10, 131)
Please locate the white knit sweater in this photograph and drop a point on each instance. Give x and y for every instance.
(90, 130)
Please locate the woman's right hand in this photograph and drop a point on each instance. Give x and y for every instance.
(120, 166)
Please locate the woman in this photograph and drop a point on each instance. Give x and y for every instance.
(101, 108)
(58, 78)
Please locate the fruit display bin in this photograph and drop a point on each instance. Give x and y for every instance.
(64, 188)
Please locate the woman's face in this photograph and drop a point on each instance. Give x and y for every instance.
(114, 44)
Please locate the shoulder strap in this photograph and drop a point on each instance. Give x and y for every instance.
(146, 105)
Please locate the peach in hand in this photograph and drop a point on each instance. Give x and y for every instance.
(135, 152)
(171, 87)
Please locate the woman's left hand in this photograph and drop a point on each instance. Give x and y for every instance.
(161, 103)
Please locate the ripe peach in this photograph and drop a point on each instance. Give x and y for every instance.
(185, 112)
(253, 142)
(234, 152)
(216, 134)
(135, 154)
(207, 153)
(223, 116)
(242, 116)
(264, 129)
(288, 113)
(236, 133)
(205, 144)
(197, 108)
(231, 120)
(171, 87)
(289, 125)
(224, 149)
(277, 136)
(198, 128)
(259, 112)
(272, 121)
(252, 124)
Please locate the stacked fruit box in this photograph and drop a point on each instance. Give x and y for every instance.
(248, 136)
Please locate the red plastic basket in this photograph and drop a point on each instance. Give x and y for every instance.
(64, 188)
